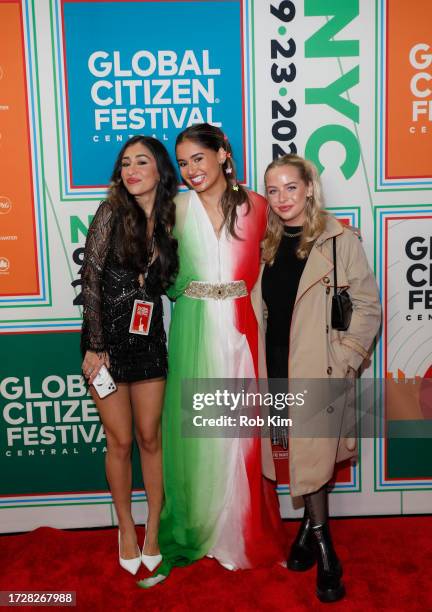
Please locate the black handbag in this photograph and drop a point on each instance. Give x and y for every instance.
(341, 302)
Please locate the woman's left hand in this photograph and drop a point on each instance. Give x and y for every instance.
(92, 364)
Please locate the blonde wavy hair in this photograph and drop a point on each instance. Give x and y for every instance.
(315, 215)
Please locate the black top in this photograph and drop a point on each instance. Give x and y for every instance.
(279, 288)
(109, 291)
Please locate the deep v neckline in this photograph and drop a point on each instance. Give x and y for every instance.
(216, 234)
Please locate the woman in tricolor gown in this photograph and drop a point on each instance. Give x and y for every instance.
(218, 500)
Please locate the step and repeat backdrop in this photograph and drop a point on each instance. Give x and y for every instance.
(347, 84)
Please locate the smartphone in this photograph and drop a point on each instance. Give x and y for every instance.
(103, 383)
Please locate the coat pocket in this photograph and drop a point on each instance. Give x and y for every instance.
(339, 356)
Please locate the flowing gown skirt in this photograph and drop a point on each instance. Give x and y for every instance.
(217, 501)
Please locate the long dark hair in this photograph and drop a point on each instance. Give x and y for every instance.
(132, 226)
(211, 137)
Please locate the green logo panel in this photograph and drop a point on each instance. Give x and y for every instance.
(51, 438)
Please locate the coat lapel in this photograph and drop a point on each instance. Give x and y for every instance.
(319, 265)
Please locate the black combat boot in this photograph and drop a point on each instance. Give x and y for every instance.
(303, 550)
(329, 586)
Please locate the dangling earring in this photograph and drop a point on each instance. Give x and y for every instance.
(228, 169)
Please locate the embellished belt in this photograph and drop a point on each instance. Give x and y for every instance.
(202, 290)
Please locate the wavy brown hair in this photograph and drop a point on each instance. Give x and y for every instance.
(315, 215)
(132, 226)
(211, 137)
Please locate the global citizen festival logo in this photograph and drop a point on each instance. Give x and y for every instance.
(418, 250)
(4, 265)
(420, 58)
(53, 416)
(152, 91)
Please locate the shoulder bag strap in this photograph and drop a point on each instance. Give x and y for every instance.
(334, 263)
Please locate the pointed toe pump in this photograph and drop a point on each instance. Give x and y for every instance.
(150, 561)
(130, 565)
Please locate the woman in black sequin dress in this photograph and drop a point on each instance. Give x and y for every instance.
(131, 255)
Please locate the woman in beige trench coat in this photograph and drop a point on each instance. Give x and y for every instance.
(297, 287)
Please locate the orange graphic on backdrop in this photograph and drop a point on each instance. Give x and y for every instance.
(16, 201)
(409, 89)
(408, 399)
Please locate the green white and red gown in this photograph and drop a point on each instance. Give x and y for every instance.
(217, 501)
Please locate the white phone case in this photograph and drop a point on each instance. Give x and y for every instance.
(103, 383)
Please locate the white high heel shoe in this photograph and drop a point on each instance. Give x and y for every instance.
(130, 565)
(150, 561)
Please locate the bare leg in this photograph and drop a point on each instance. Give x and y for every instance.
(116, 415)
(147, 399)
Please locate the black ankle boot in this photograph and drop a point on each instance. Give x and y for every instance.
(303, 552)
(329, 586)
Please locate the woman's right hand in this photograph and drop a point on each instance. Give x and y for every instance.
(92, 364)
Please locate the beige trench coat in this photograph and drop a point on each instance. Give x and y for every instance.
(319, 352)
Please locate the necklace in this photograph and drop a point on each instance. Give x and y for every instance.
(295, 235)
(150, 253)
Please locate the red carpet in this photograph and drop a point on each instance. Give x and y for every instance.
(387, 564)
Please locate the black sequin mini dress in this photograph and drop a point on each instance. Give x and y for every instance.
(109, 293)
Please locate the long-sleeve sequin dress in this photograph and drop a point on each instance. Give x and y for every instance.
(109, 291)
